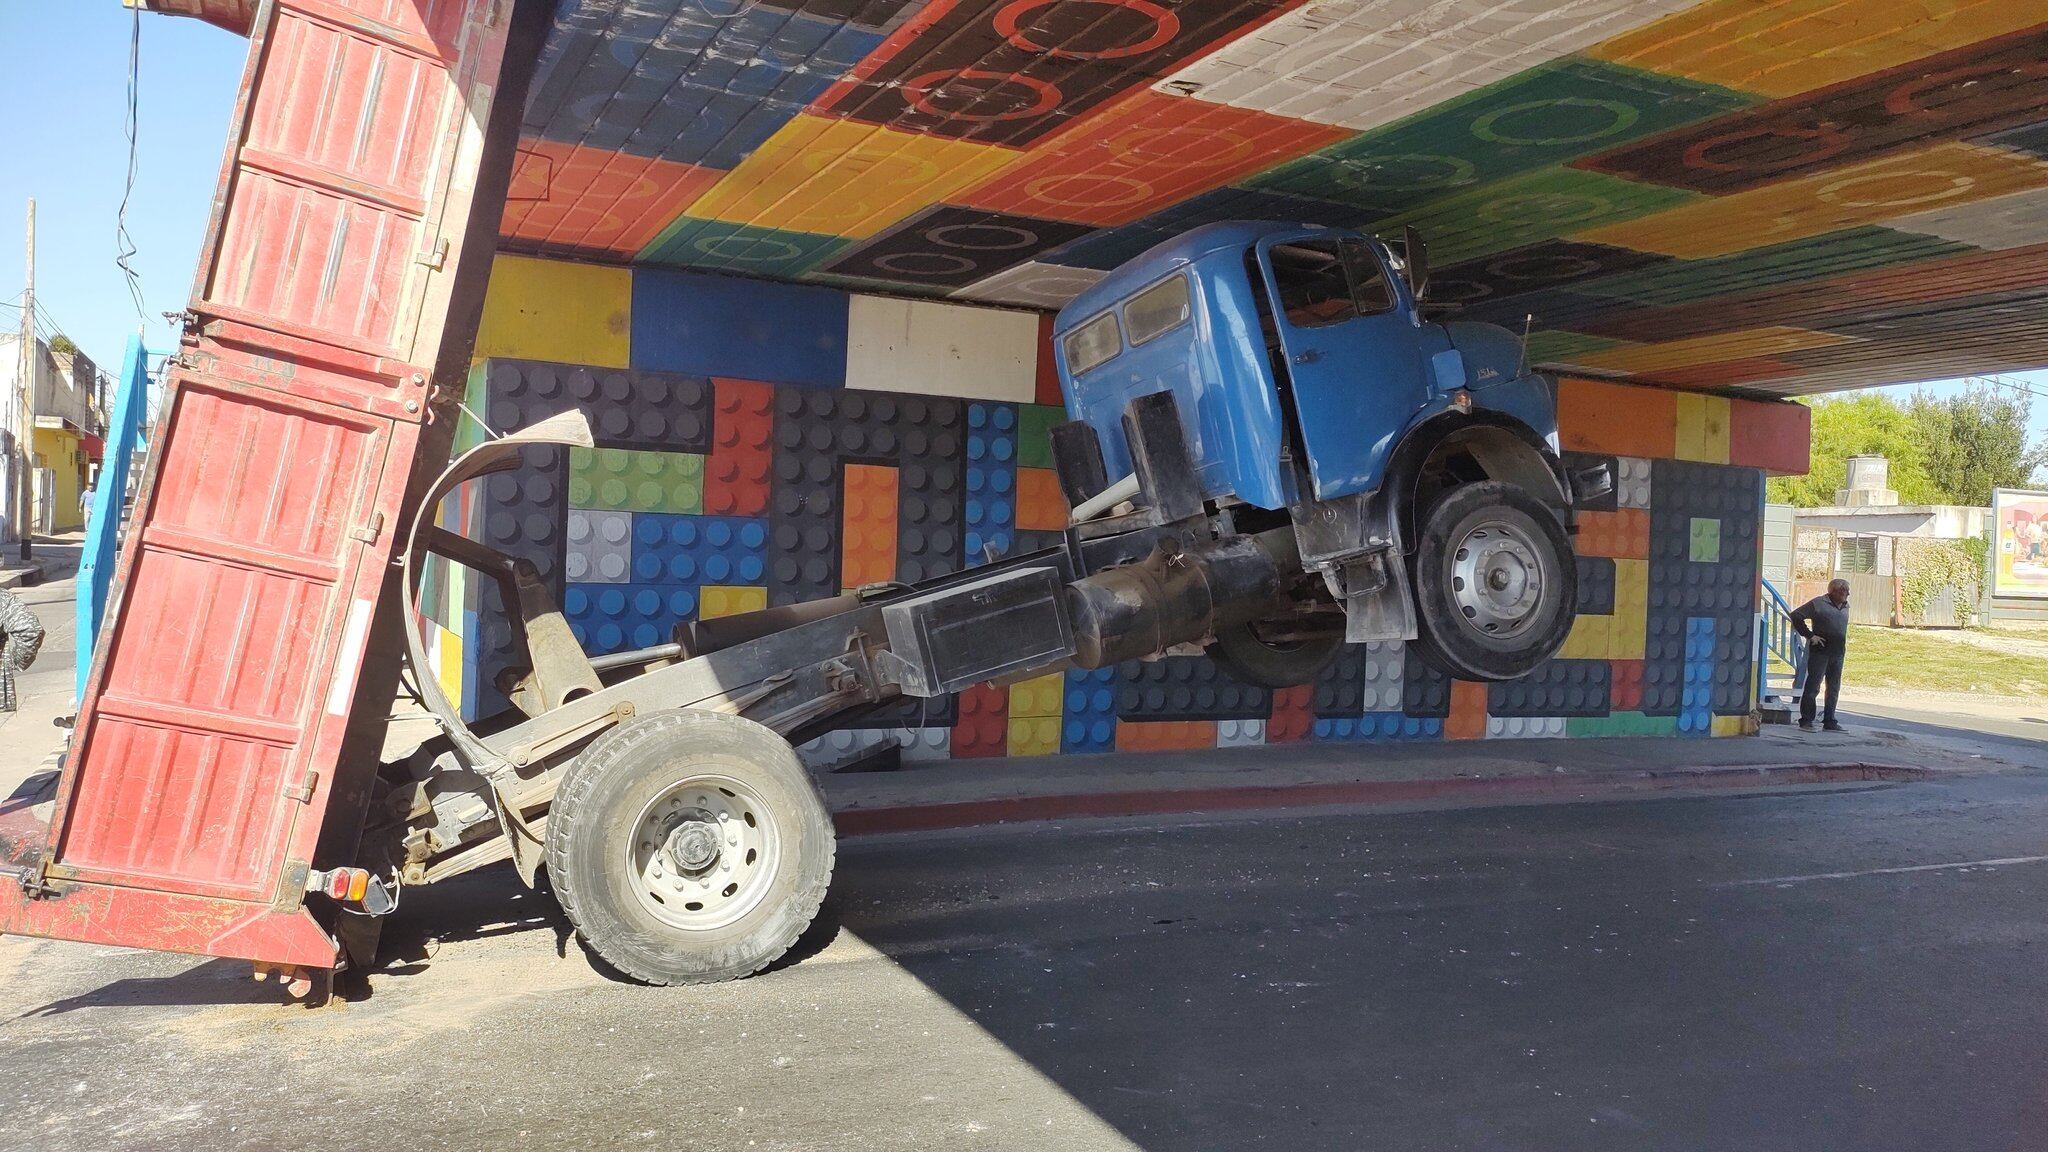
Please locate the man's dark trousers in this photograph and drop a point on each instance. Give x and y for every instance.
(1821, 663)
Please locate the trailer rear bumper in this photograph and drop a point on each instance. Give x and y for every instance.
(139, 917)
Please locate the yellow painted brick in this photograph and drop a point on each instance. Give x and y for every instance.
(1715, 349)
(845, 177)
(716, 600)
(1792, 46)
(1034, 735)
(1039, 696)
(1941, 176)
(1702, 428)
(552, 310)
(1626, 633)
(1590, 639)
(1733, 726)
(450, 668)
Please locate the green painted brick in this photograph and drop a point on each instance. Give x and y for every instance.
(1539, 117)
(1621, 724)
(1706, 540)
(1034, 434)
(694, 242)
(1529, 208)
(1796, 262)
(628, 480)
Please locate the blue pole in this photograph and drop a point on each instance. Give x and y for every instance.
(109, 496)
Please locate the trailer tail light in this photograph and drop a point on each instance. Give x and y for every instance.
(354, 887)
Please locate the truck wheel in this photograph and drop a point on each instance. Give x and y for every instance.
(1284, 664)
(1496, 585)
(689, 847)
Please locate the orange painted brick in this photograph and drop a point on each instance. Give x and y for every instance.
(1467, 720)
(868, 538)
(1593, 416)
(984, 726)
(1293, 715)
(1041, 506)
(1622, 534)
(1625, 691)
(1165, 735)
(1774, 435)
(742, 448)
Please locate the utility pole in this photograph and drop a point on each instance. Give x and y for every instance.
(24, 384)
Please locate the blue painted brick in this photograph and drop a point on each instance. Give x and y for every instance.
(991, 479)
(679, 548)
(616, 617)
(1090, 721)
(726, 326)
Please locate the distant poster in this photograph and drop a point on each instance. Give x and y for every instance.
(2019, 537)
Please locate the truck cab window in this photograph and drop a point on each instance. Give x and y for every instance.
(1369, 287)
(1093, 344)
(1157, 310)
(1314, 289)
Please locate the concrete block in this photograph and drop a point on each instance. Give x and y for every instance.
(693, 550)
(1240, 733)
(991, 480)
(1090, 712)
(631, 480)
(1185, 688)
(715, 600)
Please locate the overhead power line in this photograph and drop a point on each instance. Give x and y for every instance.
(124, 243)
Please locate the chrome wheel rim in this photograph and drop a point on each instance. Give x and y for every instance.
(703, 852)
(1497, 579)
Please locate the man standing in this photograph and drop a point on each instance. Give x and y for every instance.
(1824, 623)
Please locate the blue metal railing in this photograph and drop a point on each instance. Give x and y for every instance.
(1778, 643)
(109, 500)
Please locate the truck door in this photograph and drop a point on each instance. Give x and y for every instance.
(1347, 338)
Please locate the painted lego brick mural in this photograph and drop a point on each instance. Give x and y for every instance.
(709, 495)
(1694, 193)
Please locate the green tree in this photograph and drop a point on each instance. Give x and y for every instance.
(61, 345)
(1974, 441)
(1856, 425)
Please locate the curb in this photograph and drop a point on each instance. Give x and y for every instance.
(1180, 801)
(27, 577)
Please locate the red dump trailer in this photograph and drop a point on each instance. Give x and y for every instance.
(219, 744)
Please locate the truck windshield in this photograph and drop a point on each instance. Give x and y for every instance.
(1325, 282)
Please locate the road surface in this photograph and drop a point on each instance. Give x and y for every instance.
(1829, 969)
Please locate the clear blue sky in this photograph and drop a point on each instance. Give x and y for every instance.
(67, 66)
(68, 63)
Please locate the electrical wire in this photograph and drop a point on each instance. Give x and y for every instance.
(123, 242)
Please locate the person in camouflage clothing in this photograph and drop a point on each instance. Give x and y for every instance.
(24, 634)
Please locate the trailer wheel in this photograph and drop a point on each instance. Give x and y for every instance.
(1496, 584)
(1283, 664)
(689, 848)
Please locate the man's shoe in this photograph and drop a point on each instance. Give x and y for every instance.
(1806, 725)
(1831, 728)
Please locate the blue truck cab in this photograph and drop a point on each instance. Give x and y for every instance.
(1310, 387)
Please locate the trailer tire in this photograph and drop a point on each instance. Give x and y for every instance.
(689, 847)
(1502, 622)
(1244, 655)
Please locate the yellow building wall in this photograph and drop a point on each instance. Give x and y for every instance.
(64, 455)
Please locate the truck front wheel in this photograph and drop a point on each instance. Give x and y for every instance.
(1496, 585)
(689, 847)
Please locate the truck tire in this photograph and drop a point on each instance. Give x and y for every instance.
(1284, 665)
(689, 847)
(1496, 584)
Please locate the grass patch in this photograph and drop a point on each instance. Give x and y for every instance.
(1934, 662)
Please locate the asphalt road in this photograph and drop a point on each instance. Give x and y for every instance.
(1831, 969)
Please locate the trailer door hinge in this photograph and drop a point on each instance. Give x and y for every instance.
(303, 790)
(434, 258)
(369, 532)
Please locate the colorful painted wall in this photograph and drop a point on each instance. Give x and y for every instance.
(765, 444)
(1793, 195)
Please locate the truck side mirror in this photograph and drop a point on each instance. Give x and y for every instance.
(1416, 257)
